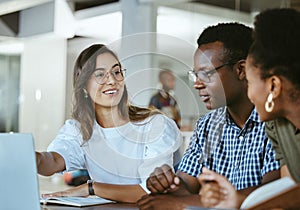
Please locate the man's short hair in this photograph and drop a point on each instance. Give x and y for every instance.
(236, 38)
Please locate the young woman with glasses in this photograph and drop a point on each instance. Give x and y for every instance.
(118, 143)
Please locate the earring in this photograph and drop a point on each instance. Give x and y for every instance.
(86, 94)
(269, 105)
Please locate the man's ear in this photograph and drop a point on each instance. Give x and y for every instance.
(240, 67)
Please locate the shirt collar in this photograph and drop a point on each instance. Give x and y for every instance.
(253, 117)
(221, 115)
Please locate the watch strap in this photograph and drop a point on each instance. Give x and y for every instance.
(90, 187)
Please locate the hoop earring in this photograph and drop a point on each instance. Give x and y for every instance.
(85, 93)
(269, 105)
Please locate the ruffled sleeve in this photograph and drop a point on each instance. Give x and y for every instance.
(68, 144)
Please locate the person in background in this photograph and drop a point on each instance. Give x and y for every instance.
(230, 139)
(273, 74)
(164, 99)
(118, 143)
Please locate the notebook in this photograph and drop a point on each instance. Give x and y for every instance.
(18, 172)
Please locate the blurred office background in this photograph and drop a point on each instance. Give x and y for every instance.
(40, 39)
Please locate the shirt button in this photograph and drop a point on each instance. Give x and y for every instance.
(241, 138)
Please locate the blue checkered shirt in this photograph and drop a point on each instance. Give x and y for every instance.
(243, 156)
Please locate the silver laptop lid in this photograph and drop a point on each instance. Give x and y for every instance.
(18, 172)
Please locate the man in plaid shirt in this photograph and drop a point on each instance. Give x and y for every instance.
(229, 140)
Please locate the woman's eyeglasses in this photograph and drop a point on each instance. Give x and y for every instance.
(102, 75)
(205, 76)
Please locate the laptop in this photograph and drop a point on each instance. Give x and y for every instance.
(18, 173)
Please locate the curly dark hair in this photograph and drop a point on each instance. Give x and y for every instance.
(236, 38)
(277, 43)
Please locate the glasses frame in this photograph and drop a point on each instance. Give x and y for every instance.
(193, 76)
(105, 77)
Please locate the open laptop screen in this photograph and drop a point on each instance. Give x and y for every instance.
(18, 172)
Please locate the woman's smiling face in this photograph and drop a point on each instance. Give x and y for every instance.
(257, 88)
(110, 93)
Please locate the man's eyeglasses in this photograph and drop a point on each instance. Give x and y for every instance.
(101, 75)
(205, 76)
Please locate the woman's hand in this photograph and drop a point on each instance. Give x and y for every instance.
(216, 191)
(210, 194)
(79, 191)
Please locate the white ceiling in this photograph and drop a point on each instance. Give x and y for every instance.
(181, 19)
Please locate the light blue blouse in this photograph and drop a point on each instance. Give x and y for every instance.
(120, 155)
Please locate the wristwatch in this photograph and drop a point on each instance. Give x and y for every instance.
(90, 187)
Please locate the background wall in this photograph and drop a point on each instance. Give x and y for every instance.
(48, 35)
(43, 88)
(9, 92)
